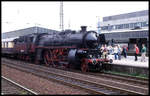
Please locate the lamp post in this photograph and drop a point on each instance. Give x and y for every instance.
(108, 27)
(98, 24)
(61, 16)
(36, 26)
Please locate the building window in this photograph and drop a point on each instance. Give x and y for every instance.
(131, 25)
(10, 44)
(6, 44)
(3, 44)
(144, 24)
(114, 27)
(110, 27)
(147, 23)
(139, 24)
(119, 26)
(135, 24)
(104, 28)
(125, 26)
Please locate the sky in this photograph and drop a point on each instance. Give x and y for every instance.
(18, 15)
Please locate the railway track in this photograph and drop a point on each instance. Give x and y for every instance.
(10, 87)
(73, 82)
(141, 81)
(120, 78)
(91, 84)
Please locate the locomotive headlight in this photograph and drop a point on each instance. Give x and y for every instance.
(94, 62)
(100, 63)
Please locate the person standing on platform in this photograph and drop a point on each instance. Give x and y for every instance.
(115, 52)
(110, 50)
(124, 51)
(102, 51)
(143, 53)
(119, 52)
(105, 51)
(136, 52)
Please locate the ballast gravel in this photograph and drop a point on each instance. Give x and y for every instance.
(38, 84)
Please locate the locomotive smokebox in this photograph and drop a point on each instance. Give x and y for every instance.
(83, 28)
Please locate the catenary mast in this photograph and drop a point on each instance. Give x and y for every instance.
(61, 17)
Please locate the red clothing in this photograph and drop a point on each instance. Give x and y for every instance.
(137, 50)
(127, 48)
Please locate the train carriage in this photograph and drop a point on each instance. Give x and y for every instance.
(7, 46)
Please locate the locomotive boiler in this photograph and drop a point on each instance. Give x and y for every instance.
(67, 49)
(71, 49)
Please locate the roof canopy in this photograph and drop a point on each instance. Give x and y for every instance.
(9, 39)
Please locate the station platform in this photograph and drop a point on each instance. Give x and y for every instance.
(129, 61)
(129, 66)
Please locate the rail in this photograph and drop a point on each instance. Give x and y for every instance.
(20, 86)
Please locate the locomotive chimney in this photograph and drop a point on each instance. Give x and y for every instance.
(83, 28)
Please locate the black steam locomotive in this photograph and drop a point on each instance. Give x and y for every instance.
(65, 49)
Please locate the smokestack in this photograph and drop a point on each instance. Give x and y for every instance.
(83, 28)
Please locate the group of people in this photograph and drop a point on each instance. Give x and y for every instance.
(143, 52)
(117, 50)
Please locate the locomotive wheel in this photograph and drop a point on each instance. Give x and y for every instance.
(47, 58)
(84, 66)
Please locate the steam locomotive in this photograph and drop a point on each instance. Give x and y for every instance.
(67, 49)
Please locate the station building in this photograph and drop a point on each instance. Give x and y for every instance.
(129, 28)
(26, 31)
(8, 37)
(126, 21)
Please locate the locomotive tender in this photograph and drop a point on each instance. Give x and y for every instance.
(66, 49)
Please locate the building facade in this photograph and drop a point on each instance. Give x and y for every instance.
(126, 21)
